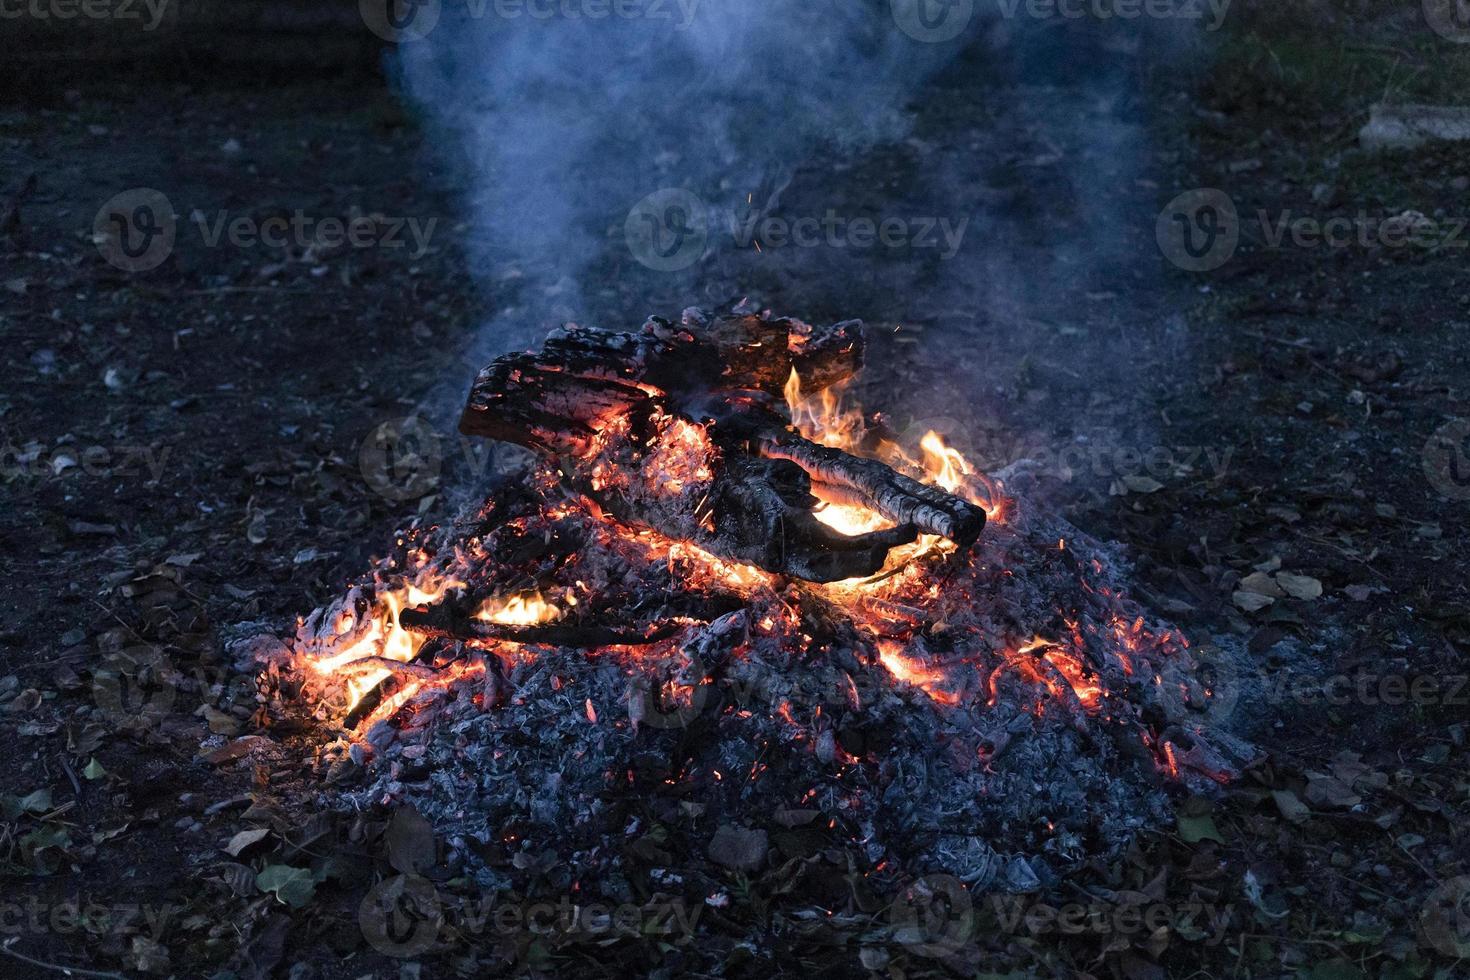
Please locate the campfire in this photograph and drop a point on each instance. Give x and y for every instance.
(723, 593)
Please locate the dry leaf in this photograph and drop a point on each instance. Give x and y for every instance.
(1299, 586)
(1252, 601)
(244, 839)
(1291, 806)
(410, 840)
(1261, 584)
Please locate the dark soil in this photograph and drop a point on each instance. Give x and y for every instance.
(181, 455)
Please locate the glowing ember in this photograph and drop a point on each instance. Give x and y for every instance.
(911, 670)
(557, 576)
(519, 610)
(382, 636)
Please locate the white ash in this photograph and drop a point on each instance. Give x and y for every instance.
(1009, 786)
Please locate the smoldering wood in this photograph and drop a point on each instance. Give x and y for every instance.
(442, 622)
(724, 373)
(757, 511)
(857, 479)
(416, 670)
(496, 686)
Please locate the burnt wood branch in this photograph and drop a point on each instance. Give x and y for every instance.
(437, 621)
(856, 479)
(408, 669)
(752, 510)
(542, 407)
(553, 399)
(829, 356)
(603, 403)
(495, 687)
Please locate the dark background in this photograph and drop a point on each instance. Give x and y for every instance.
(250, 377)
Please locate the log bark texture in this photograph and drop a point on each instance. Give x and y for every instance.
(610, 407)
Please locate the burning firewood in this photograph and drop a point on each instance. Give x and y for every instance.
(441, 623)
(628, 624)
(679, 428)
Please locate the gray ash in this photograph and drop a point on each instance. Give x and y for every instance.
(1000, 714)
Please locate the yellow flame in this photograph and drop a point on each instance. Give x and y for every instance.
(825, 418)
(944, 466)
(527, 609)
(384, 637)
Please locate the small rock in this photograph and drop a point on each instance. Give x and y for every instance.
(739, 849)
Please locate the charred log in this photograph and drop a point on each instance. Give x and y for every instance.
(856, 479)
(610, 405)
(436, 621)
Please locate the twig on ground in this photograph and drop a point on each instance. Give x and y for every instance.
(73, 971)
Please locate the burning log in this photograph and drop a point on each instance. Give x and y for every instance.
(437, 622)
(948, 701)
(869, 483)
(678, 428)
(421, 671)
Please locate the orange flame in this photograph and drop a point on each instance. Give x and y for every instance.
(914, 671)
(384, 637)
(520, 610)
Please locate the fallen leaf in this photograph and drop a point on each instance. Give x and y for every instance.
(239, 878)
(220, 722)
(1252, 601)
(237, 749)
(35, 802)
(1291, 806)
(294, 886)
(1330, 792)
(1299, 586)
(244, 839)
(1261, 584)
(410, 841)
(1142, 484)
(1192, 830)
